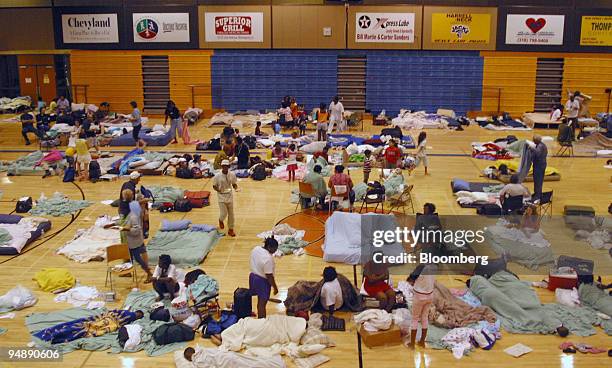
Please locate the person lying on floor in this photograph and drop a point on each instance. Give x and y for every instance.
(93, 326)
(164, 278)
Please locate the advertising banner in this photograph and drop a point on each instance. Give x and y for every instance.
(384, 27)
(530, 29)
(160, 27)
(596, 30)
(90, 28)
(461, 28)
(234, 27)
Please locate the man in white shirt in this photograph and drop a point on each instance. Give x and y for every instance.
(223, 183)
(331, 291)
(164, 278)
(261, 279)
(572, 108)
(336, 111)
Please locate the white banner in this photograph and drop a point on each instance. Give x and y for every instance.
(90, 28)
(160, 27)
(526, 29)
(384, 27)
(234, 27)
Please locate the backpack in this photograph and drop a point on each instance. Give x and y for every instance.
(94, 171)
(214, 144)
(202, 146)
(24, 205)
(69, 174)
(146, 193)
(172, 332)
(160, 314)
(250, 141)
(259, 172)
(196, 173)
(183, 173)
(182, 205)
(243, 306)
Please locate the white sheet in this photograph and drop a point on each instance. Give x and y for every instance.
(21, 233)
(342, 238)
(215, 358)
(90, 244)
(418, 120)
(252, 332)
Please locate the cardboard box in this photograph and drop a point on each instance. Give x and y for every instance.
(389, 337)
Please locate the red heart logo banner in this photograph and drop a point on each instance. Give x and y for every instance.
(535, 25)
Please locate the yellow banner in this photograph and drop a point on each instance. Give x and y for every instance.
(596, 30)
(460, 28)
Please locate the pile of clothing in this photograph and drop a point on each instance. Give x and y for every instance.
(406, 119)
(14, 105)
(289, 239)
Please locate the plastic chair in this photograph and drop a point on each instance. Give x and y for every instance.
(118, 252)
(339, 194)
(403, 201)
(307, 189)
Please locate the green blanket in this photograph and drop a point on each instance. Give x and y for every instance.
(357, 157)
(24, 165)
(5, 237)
(598, 300)
(527, 255)
(516, 304)
(39, 321)
(58, 205)
(392, 187)
(187, 248)
(326, 169)
(166, 194)
(289, 245)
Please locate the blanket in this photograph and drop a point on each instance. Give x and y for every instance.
(39, 321)
(215, 358)
(518, 250)
(513, 165)
(24, 165)
(166, 194)
(58, 205)
(516, 304)
(598, 300)
(394, 185)
(593, 143)
(187, 248)
(305, 295)
(289, 239)
(90, 244)
(252, 332)
(451, 312)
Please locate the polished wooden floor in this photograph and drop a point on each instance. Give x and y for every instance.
(259, 206)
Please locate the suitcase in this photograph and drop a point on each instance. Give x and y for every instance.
(243, 306)
(198, 199)
(581, 266)
(570, 210)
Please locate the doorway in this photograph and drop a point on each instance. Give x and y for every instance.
(37, 76)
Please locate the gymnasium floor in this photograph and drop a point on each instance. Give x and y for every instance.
(259, 206)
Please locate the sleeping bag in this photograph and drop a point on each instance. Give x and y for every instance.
(172, 332)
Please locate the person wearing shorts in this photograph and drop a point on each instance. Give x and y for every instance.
(261, 278)
(375, 284)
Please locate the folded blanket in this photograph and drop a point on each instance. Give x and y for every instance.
(450, 312)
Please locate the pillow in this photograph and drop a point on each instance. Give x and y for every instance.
(153, 165)
(308, 350)
(460, 184)
(315, 336)
(312, 361)
(168, 225)
(138, 163)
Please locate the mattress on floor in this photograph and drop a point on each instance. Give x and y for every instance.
(473, 186)
(187, 248)
(529, 179)
(532, 118)
(15, 247)
(343, 236)
(344, 140)
(127, 140)
(407, 141)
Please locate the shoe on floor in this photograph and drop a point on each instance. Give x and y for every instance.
(221, 225)
(231, 233)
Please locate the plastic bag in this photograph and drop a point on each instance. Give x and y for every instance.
(17, 298)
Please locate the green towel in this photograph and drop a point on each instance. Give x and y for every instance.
(5, 237)
(39, 321)
(58, 205)
(357, 157)
(187, 248)
(23, 165)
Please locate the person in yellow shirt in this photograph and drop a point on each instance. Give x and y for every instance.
(83, 157)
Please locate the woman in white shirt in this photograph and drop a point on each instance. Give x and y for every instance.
(336, 111)
(164, 278)
(261, 279)
(331, 291)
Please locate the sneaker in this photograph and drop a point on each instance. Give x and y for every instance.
(221, 225)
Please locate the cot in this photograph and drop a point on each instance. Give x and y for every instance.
(127, 140)
(16, 245)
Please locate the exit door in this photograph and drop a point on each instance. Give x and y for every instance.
(37, 77)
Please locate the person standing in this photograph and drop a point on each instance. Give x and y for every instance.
(292, 165)
(539, 152)
(572, 108)
(135, 119)
(336, 111)
(135, 238)
(322, 119)
(242, 153)
(422, 280)
(368, 162)
(261, 278)
(223, 183)
(393, 155)
(421, 153)
(174, 114)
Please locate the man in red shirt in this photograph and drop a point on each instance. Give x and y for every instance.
(324, 153)
(393, 154)
(340, 178)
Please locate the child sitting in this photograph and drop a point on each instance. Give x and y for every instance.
(164, 278)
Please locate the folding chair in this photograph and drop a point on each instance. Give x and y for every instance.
(565, 147)
(307, 189)
(545, 204)
(339, 193)
(403, 200)
(118, 252)
(373, 197)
